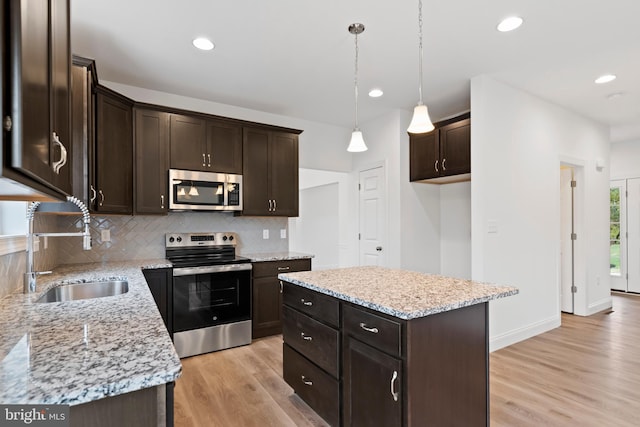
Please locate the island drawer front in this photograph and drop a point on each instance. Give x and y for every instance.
(320, 307)
(315, 387)
(382, 333)
(316, 341)
(273, 268)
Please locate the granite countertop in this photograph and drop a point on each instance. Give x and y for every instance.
(276, 256)
(400, 293)
(79, 351)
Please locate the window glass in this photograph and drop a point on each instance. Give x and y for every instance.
(614, 231)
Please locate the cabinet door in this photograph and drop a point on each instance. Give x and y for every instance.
(372, 386)
(455, 148)
(255, 172)
(283, 168)
(114, 156)
(224, 147)
(160, 285)
(267, 307)
(188, 143)
(29, 61)
(424, 156)
(61, 95)
(152, 161)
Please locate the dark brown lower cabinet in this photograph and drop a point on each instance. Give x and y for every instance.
(429, 371)
(267, 294)
(372, 386)
(160, 282)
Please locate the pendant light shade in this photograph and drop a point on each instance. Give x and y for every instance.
(357, 141)
(357, 144)
(421, 122)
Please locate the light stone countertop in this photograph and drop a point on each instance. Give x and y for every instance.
(276, 256)
(79, 351)
(400, 293)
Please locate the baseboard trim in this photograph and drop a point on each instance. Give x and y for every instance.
(523, 333)
(603, 304)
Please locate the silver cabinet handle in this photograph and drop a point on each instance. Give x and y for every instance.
(270, 205)
(63, 155)
(101, 202)
(284, 268)
(275, 205)
(209, 160)
(394, 393)
(305, 337)
(162, 201)
(368, 329)
(305, 381)
(444, 163)
(203, 161)
(435, 165)
(281, 286)
(305, 302)
(93, 194)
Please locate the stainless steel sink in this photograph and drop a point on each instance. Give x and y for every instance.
(86, 290)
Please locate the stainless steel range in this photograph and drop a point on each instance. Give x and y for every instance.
(211, 292)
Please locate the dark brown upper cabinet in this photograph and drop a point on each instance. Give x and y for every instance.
(151, 161)
(36, 98)
(443, 155)
(270, 173)
(112, 175)
(205, 145)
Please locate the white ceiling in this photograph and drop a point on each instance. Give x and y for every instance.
(296, 57)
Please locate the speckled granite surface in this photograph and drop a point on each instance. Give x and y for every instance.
(276, 256)
(399, 293)
(79, 351)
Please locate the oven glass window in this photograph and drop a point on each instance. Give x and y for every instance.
(202, 300)
(199, 193)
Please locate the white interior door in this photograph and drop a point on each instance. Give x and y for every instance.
(618, 235)
(633, 235)
(372, 225)
(566, 246)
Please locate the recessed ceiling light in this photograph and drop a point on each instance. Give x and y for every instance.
(605, 79)
(203, 43)
(509, 24)
(375, 93)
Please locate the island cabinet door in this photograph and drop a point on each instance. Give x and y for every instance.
(372, 386)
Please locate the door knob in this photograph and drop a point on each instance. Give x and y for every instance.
(379, 248)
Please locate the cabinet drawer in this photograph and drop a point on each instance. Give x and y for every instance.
(320, 307)
(316, 341)
(380, 332)
(273, 268)
(316, 388)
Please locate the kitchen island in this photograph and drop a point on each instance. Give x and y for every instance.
(378, 346)
(110, 358)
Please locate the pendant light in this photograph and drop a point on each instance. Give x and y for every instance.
(421, 122)
(193, 191)
(357, 142)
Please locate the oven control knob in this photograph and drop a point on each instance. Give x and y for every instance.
(171, 239)
(179, 239)
(215, 317)
(224, 238)
(230, 238)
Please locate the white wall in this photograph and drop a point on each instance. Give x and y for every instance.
(625, 160)
(319, 142)
(518, 143)
(455, 230)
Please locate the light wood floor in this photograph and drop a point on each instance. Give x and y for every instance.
(585, 373)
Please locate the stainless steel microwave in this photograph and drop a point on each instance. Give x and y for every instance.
(194, 190)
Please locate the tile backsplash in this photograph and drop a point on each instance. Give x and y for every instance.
(142, 236)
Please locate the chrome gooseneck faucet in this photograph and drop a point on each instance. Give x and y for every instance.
(30, 275)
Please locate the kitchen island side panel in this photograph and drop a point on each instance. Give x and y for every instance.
(449, 358)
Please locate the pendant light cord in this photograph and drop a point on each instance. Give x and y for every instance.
(355, 81)
(420, 48)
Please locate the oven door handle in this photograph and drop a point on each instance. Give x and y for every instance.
(187, 271)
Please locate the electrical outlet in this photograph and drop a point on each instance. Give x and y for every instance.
(105, 235)
(265, 234)
(46, 242)
(283, 233)
(36, 244)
